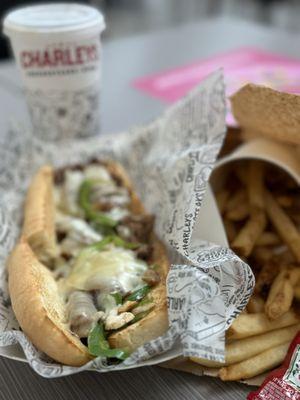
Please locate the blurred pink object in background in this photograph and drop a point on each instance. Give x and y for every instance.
(240, 66)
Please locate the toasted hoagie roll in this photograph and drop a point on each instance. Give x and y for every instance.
(87, 277)
(39, 221)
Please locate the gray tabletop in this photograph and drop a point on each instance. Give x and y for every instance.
(122, 107)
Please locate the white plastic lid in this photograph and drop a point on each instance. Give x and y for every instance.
(54, 18)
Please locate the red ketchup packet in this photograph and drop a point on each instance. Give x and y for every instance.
(284, 382)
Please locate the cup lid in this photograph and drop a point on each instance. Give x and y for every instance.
(54, 18)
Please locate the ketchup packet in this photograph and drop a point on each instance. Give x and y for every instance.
(284, 382)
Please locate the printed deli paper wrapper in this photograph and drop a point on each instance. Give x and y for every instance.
(284, 157)
(170, 161)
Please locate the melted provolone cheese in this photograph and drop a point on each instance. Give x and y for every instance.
(115, 263)
(117, 213)
(98, 173)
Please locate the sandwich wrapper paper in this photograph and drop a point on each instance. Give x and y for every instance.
(169, 161)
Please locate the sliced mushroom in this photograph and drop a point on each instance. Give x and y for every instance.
(144, 251)
(117, 321)
(151, 277)
(107, 303)
(110, 194)
(81, 313)
(76, 228)
(140, 227)
(99, 316)
(105, 285)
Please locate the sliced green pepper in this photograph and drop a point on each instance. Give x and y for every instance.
(99, 346)
(139, 293)
(122, 243)
(104, 230)
(100, 245)
(118, 297)
(113, 239)
(140, 316)
(84, 194)
(145, 300)
(84, 202)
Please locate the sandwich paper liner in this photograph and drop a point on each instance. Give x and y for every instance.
(169, 161)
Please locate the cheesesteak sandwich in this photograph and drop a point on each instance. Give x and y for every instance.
(87, 277)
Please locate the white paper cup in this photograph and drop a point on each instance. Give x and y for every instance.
(58, 52)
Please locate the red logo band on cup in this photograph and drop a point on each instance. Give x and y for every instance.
(57, 57)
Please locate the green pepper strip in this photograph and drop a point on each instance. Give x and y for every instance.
(122, 243)
(140, 316)
(145, 300)
(118, 297)
(84, 202)
(138, 294)
(99, 346)
(100, 245)
(113, 239)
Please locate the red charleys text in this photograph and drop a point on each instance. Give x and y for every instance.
(58, 57)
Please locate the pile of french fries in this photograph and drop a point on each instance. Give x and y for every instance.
(260, 207)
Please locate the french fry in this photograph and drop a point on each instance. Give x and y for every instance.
(266, 276)
(239, 213)
(268, 239)
(249, 234)
(207, 363)
(294, 216)
(255, 365)
(277, 178)
(242, 173)
(283, 224)
(240, 196)
(285, 201)
(255, 184)
(247, 325)
(284, 257)
(230, 229)
(294, 275)
(239, 350)
(280, 296)
(222, 198)
(262, 254)
(297, 293)
(256, 304)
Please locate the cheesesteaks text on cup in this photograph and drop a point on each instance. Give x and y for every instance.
(58, 52)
